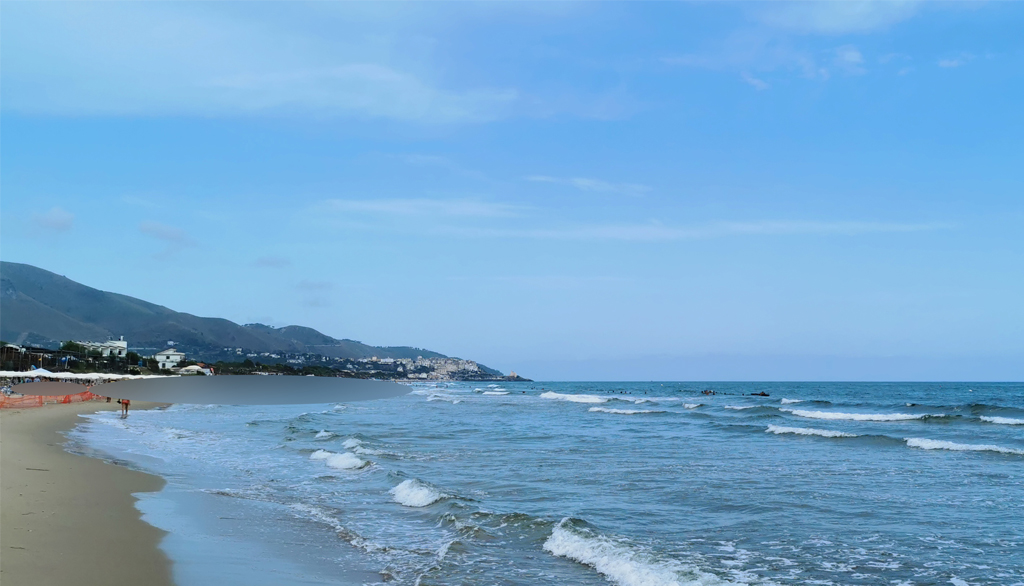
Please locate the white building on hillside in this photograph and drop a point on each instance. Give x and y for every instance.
(169, 358)
(109, 348)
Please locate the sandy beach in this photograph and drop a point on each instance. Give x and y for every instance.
(70, 519)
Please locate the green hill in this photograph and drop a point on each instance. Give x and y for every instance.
(41, 308)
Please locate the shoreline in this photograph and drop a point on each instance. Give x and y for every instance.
(69, 518)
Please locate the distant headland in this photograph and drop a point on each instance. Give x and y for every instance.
(110, 332)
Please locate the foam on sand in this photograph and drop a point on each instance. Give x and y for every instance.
(573, 398)
(1003, 420)
(930, 444)
(859, 416)
(791, 401)
(414, 493)
(622, 411)
(621, 562)
(778, 429)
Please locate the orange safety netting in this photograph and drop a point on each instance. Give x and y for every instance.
(40, 400)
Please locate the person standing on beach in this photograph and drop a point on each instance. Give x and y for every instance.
(124, 407)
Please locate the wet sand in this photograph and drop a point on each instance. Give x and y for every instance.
(70, 519)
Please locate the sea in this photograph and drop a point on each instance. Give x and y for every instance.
(633, 484)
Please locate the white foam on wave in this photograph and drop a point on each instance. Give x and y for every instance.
(791, 401)
(858, 416)
(342, 461)
(323, 434)
(622, 411)
(1003, 420)
(930, 444)
(573, 398)
(351, 443)
(495, 392)
(451, 399)
(778, 429)
(735, 408)
(413, 493)
(320, 515)
(692, 405)
(345, 461)
(622, 563)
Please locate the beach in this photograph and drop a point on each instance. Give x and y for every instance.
(71, 519)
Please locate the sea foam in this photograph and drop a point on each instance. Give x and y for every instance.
(778, 429)
(343, 461)
(858, 416)
(323, 434)
(1003, 420)
(622, 563)
(735, 408)
(692, 405)
(573, 398)
(622, 411)
(413, 493)
(495, 392)
(791, 401)
(930, 444)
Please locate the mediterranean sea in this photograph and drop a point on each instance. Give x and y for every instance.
(635, 484)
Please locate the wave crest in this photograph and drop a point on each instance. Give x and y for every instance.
(622, 411)
(778, 429)
(414, 493)
(1003, 420)
(930, 444)
(620, 562)
(573, 398)
(860, 416)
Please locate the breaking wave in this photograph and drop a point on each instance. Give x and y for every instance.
(495, 392)
(929, 444)
(414, 493)
(778, 429)
(692, 405)
(860, 416)
(621, 562)
(735, 408)
(1003, 420)
(791, 401)
(622, 411)
(342, 461)
(573, 398)
(323, 434)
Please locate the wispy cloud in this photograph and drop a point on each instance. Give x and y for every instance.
(836, 18)
(56, 219)
(422, 207)
(165, 233)
(656, 232)
(962, 59)
(759, 84)
(849, 60)
(272, 262)
(594, 185)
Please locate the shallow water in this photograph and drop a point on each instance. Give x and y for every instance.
(591, 483)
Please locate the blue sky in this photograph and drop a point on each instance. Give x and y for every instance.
(604, 191)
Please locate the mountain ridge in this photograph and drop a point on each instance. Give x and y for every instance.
(42, 308)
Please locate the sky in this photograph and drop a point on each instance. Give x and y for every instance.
(576, 191)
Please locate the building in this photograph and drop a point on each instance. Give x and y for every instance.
(169, 358)
(117, 347)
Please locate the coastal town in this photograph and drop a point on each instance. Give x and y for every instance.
(115, 356)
